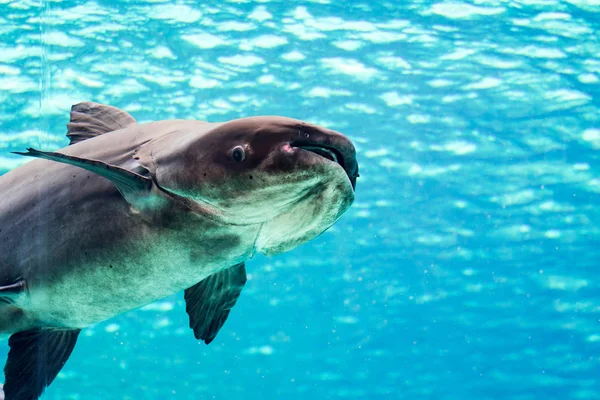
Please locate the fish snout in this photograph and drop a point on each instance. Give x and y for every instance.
(331, 145)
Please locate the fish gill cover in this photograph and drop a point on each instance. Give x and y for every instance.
(466, 269)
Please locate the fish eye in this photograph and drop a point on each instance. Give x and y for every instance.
(238, 153)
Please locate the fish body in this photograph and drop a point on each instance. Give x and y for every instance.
(131, 213)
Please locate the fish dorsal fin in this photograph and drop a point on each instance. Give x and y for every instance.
(89, 119)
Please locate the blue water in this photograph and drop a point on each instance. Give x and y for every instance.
(466, 269)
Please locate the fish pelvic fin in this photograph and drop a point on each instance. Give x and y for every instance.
(209, 301)
(35, 358)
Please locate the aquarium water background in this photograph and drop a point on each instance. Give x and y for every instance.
(467, 267)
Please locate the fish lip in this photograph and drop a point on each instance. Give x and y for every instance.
(331, 154)
(323, 151)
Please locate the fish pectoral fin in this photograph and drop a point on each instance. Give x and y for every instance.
(20, 285)
(133, 186)
(9, 292)
(89, 119)
(35, 358)
(209, 301)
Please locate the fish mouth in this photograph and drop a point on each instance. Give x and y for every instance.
(328, 153)
(334, 155)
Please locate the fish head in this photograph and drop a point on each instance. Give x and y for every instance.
(293, 178)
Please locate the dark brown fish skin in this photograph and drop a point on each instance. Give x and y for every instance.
(262, 138)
